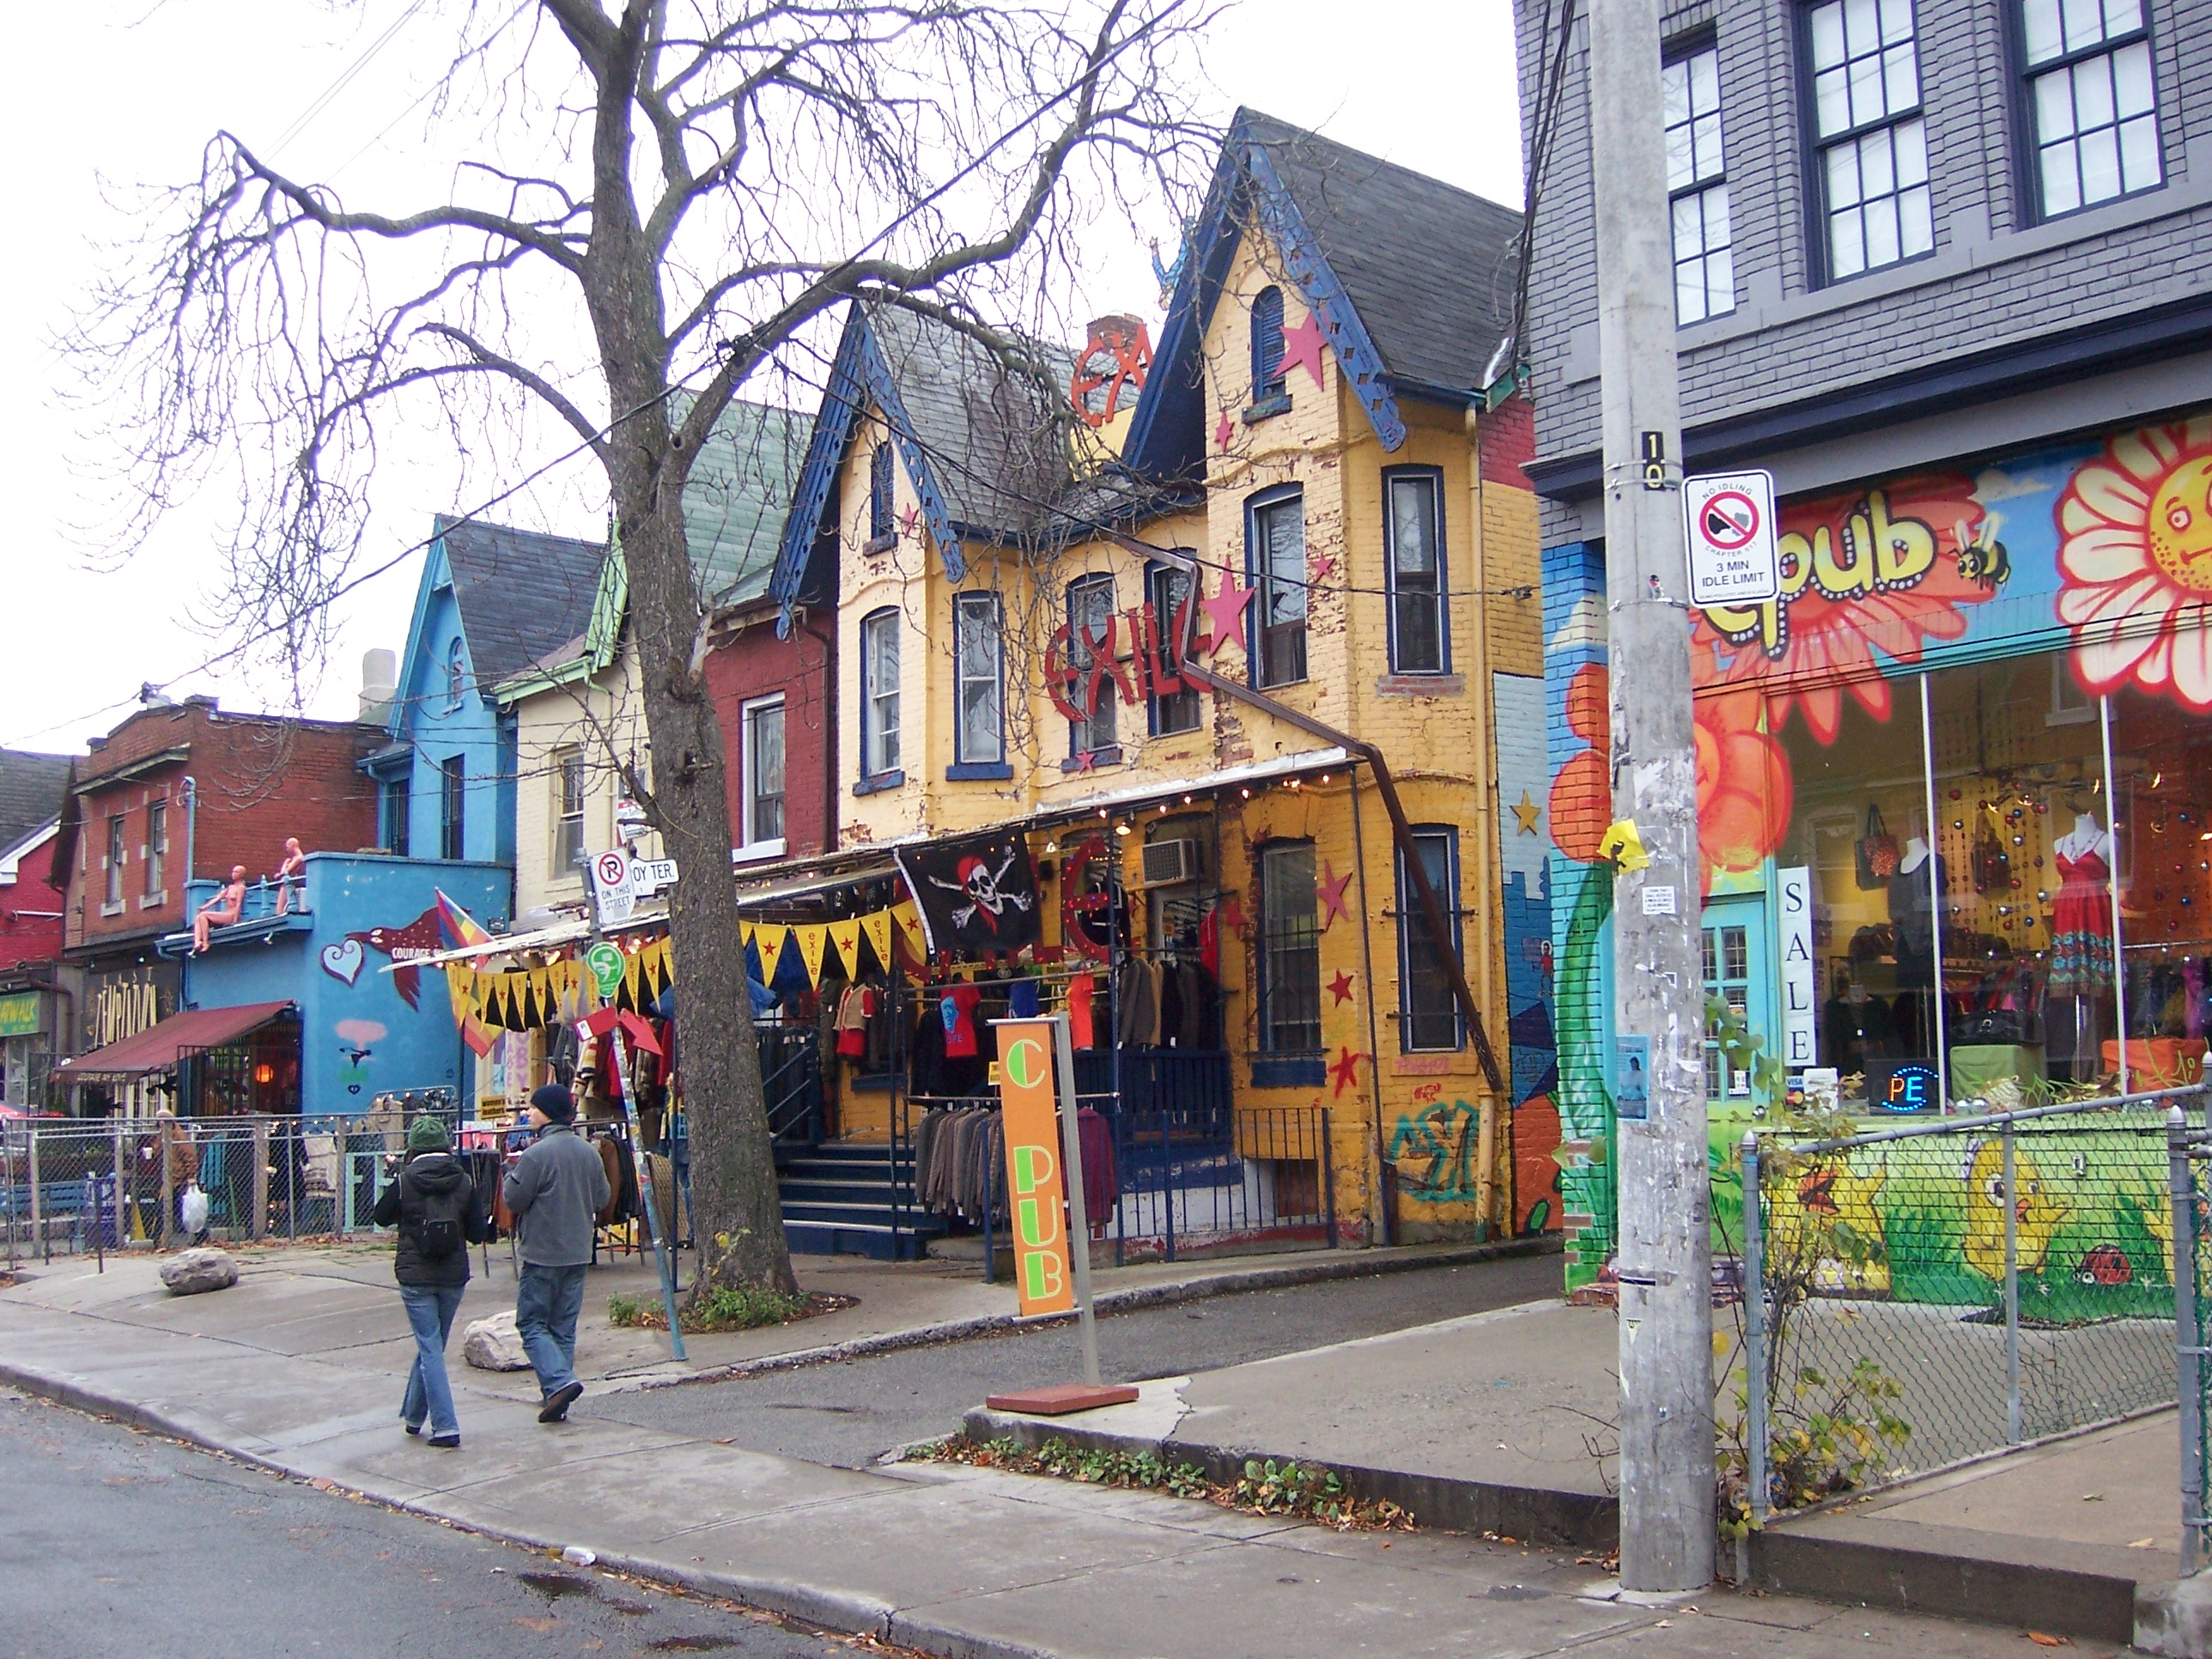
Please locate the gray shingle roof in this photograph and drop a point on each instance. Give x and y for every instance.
(30, 792)
(1430, 268)
(738, 496)
(998, 454)
(522, 593)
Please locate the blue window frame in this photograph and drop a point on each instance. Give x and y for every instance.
(879, 693)
(979, 734)
(452, 807)
(1275, 557)
(1288, 954)
(1428, 1009)
(1267, 380)
(1413, 544)
(1167, 591)
(881, 478)
(1090, 615)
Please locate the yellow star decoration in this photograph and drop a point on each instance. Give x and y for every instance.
(1528, 812)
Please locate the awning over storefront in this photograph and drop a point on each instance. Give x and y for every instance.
(158, 1047)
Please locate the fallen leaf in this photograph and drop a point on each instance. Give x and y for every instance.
(2044, 1640)
(2142, 1543)
(535, 1624)
(2093, 1497)
(1666, 1623)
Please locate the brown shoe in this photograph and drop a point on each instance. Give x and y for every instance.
(555, 1408)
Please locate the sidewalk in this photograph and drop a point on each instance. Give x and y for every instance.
(296, 1370)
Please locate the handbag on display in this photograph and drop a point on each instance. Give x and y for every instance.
(1875, 853)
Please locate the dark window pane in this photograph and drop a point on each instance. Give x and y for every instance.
(1289, 951)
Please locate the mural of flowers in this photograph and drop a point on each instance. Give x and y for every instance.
(2135, 562)
(1862, 572)
(1744, 788)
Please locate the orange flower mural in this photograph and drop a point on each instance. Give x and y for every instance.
(1744, 788)
(1877, 570)
(2134, 560)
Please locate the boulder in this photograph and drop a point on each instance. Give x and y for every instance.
(491, 1345)
(202, 1268)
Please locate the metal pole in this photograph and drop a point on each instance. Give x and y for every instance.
(2189, 1341)
(1936, 896)
(1667, 1489)
(2113, 831)
(1754, 1334)
(38, 1239)
(1079, 1211)
(1383, 1219)
(2011, 1293)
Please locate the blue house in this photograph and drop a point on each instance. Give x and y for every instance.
(493, 601)
(325, 1010)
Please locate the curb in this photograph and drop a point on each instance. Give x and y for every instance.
(1357, 1264)
(839, 1611)
(1538, 1515)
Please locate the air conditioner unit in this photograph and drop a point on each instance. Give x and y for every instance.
(1168, 862)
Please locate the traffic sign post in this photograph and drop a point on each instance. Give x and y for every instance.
(612, 887)
(1730, 520)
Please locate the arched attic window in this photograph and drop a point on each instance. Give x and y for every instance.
(1266, 346)
(880, 477)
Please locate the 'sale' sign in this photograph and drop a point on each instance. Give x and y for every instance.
(1036, 1185)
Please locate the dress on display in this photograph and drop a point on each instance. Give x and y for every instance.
(2082, 928)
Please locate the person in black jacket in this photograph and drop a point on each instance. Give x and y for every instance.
(439, 1214)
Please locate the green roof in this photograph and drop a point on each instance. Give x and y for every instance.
(738, 496)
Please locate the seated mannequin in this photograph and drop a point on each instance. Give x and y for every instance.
(225, 908)
(293, 868)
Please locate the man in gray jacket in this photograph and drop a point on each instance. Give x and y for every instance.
(553, 1190)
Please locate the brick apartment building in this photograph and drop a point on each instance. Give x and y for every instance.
(31, 1001)
(178, 792)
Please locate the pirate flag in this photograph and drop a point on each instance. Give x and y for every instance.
(978, 893)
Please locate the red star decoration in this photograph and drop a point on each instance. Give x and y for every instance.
(1323, 569)
(1340, 989)
(1223, 431)
(1344, 1070)
(1232, 911)
(1331, 893)
(1303, 344)
(1087, 761)
(908, 519)
(1224, 612)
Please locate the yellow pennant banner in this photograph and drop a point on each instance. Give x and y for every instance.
(811, 938)
(876, 926)
(769, 940)
(846, 936)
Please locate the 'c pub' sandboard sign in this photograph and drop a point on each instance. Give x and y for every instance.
(1036, 1185)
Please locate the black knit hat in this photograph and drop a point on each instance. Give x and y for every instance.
(555, 1102)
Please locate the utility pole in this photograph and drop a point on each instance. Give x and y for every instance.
(1665, 1260)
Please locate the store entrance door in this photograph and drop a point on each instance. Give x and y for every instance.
(1734, 932)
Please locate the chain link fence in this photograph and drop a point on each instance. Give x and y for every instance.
(1944, 1289)
(117, 1183)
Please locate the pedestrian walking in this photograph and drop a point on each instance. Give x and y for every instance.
(554, 1191)
(439, 1214)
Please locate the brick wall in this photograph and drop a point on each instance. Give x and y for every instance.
(752, 662)
(26, 937)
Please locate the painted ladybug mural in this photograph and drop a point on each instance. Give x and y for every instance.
(2105, 1265)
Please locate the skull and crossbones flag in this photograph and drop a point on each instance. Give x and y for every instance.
(979, 893)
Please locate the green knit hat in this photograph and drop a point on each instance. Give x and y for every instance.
(428, 1134)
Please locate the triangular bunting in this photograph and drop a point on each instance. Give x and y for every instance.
(633, 980)
(846, 936)
(770, 940)
(811, 938)
(877, 925)
(909, 925)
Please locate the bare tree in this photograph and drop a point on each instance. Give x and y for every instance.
(691, 185)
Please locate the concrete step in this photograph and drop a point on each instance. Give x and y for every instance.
(852, 1238)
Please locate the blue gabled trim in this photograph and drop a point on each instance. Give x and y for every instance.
(437, 573)
(1355, 351)
(859, 375)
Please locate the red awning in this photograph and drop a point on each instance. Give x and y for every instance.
(156, 1048)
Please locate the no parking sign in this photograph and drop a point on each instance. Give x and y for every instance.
(1729, 519)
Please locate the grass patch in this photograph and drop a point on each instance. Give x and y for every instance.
(723, 1309)
(1305, 1492)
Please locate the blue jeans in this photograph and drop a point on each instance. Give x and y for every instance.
(546, 1304)
(430, 1310)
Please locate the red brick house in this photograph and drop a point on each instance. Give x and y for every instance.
(31, 1003)
(750, 671)
(183, 791)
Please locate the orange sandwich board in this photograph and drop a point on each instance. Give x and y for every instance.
(1036, 1185)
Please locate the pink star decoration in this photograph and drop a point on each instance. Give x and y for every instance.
(1303, 344)
(1324, 567)
(909, 518)
(1344, 1070)
(1225, 612)
(1224, 430)
(1330, 892)
(1340, 989)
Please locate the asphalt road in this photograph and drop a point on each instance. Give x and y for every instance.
(851, 1413)
(114, 1543)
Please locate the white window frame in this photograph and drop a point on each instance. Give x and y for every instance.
(966, 751)
(572, 866)
(154, 890)
(1697, 185)
(753, 845)
(1877, 138)
(118, 855)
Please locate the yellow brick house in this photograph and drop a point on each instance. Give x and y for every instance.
(1241, 669)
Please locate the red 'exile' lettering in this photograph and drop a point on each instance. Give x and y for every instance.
(1151, 669)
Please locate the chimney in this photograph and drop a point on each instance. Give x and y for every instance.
(379, 671)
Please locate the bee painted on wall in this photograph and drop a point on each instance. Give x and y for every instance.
(1983, 560)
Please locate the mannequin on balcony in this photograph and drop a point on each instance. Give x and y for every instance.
(293, 871)
(224, 909)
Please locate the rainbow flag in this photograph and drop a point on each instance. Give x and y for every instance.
(460, 928)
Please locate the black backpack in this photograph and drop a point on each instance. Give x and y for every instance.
(440, 1229)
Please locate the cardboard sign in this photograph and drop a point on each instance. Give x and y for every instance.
(1036, 1185)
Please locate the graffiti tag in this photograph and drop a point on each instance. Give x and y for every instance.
(1436, 1152)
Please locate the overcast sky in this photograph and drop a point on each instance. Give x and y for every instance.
(128, 91)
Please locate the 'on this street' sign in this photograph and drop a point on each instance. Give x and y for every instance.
(1729, 518)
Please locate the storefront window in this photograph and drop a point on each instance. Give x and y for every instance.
(2162, 854)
